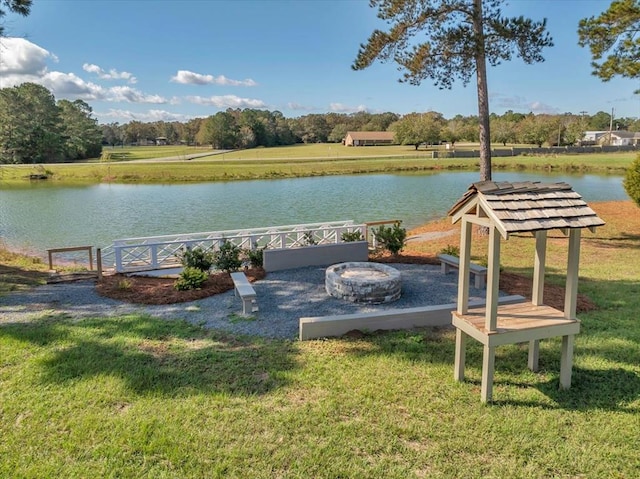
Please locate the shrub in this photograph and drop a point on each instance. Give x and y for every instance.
(450, 249)
(351, 236)
(632, 181)
(255, 257)
(228, 257)
(391, 238)
(308, 239)
(190, 278)
(197, 257)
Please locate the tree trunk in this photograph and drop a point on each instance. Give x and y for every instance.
(483, 93)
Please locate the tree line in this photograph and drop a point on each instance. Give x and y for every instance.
(248, 128)
(34, 128)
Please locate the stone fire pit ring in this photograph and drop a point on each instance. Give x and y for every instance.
(362, 282)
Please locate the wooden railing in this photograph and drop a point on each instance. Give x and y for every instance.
(150, 253)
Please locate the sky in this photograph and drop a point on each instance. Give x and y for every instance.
(151, 60)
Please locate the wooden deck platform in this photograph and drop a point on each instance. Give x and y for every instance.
(520, 322)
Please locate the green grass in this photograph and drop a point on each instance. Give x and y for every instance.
(140, 397)
(128, 153)
(303, 161)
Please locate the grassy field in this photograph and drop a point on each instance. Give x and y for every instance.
(300, 161)
(139, 397)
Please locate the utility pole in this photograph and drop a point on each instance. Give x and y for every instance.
(610, 127)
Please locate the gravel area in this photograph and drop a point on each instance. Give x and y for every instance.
(283, 298)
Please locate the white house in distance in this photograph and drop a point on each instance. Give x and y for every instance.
(368, 138)
(618, 138)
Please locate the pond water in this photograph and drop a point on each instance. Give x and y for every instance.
(40, 215)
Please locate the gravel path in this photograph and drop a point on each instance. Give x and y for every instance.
(283, 298)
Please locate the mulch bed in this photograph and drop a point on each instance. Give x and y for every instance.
(150, 290)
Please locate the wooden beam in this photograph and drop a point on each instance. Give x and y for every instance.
(573, 262)
(493, 280)
(534, 354)
(537, 295)
(463, 271)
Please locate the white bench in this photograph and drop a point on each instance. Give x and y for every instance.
(243, 288)
(478, 272)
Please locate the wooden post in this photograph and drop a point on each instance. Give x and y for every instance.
(488, 365)
(573, 261)
(459, 361)
(566, 361)
(493, 280)
(99, 262)
(534, 355)
(463, 267)
(537, 295)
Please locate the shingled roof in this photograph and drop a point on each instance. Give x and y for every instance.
(526, 206)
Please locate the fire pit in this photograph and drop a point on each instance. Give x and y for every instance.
(372, 283)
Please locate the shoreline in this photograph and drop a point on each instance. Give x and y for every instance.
(418, 234)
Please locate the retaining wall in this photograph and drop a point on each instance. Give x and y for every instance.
(316, 255)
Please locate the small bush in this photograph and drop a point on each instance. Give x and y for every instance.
(228, 257)
(451, 250)
(197, 257)
(125, 284)
(255, 257)
(308, 239)
(190, 278)
(632, 181)
(391, 238)
(351, 236)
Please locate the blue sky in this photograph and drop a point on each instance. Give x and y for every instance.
(175, 60)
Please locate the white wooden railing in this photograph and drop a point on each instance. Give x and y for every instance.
(157, 252)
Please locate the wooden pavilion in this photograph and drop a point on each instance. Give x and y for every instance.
(506, 208)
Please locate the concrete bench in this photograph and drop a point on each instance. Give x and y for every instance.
(478, 272)
(247, 294)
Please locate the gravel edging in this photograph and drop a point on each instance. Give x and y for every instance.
(283, 298)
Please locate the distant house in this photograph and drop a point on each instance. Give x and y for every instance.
(368, 138)
(161, 140)
(617, 138)
(624, 138)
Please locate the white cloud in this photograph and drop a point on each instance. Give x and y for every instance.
(190, 78)
(227, 101)
(341, 108)
(151, 115)
(112, 74)
(298, 106)
(22, 61)
(131, 95)
(21, 57)
(520, 103)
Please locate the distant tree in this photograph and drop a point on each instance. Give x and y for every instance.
(575, 128)
(503, 130)
(539, 129)
(21, 7)
(338, 133)
(457, 39)
(190, 130)
(29, 125)
(220, 131)
(632, 181)
(82, 138)
(417, 128)
(614, 33)
(600, 121)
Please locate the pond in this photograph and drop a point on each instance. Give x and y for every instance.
(41, 215)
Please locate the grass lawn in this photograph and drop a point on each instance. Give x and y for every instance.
(140, 397)
(302, 161)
